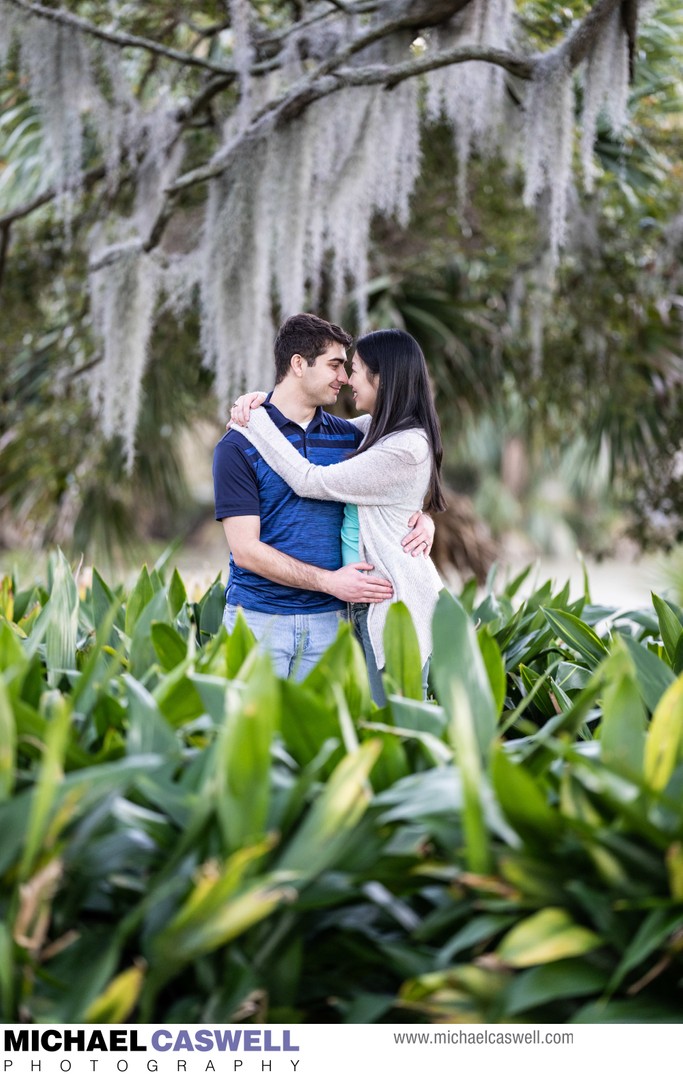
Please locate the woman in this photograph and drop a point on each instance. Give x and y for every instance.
(396, 468)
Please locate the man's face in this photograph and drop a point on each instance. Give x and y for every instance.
(321, 382)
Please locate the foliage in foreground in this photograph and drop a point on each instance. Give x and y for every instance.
(185, 838)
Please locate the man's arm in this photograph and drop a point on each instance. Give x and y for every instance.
(349, 584)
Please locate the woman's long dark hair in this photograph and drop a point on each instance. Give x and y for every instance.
(404, 397)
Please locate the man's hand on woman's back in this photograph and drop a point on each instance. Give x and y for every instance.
(352, 584)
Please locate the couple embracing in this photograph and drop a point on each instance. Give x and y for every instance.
(315, 508)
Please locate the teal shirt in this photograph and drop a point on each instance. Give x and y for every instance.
(350, 535)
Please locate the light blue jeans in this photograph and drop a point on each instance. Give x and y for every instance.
(295, 642)
(358, 615)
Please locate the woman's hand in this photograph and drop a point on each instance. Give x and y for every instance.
(418, 541)
(239, 412)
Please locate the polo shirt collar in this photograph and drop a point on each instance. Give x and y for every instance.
(320, 418)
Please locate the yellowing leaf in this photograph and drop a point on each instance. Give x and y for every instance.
(665, 737)
(550, 934)
(674, 865)
(117, 1001)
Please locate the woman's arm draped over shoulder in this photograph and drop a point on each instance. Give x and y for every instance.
(361, 422)
(377, 476)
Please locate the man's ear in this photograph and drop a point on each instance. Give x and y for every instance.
(296, 363)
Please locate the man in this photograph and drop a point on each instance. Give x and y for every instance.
(285, 550)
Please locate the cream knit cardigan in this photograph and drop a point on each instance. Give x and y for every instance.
(388, 483)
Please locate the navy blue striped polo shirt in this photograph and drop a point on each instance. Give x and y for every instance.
(308, 530)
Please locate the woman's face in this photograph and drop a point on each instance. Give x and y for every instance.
(363, 386)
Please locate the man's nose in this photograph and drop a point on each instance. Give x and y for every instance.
(342, 376)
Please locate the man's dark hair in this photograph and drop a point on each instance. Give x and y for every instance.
(305, 335)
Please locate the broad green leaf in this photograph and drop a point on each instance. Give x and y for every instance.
(177, 595)
(495, 667)
(28, 816)
(392, 763)
(367, 1008)
(7, 973)
(674, 866)
(419, 716)
(217, 907)
(14, 814)
(156, 580)
(170, 647)
(624, 719)
(243, 757)
(210, 610)
(463, 736)
(402, 652)
(325, 831)
(47, 787)
(140, 595)
(142, 653)
(637, 1011)
(239, 645)
(343, 663)
(533, 875)
(86, 965)
(211, 691)
(652, 935)
(465, 992)
(669, 625)
(571, 677)
(458, 667)
(522, 799)
(102, 599)
(479, 929)
(300, 792)
(538, 686)
(572, 978)
(438, 752)
(11, 651)
(117, 1001)
(664, 741)
(577, 635)
(100, 667)
(549, 935)
(177, 698)
(207, 931)
(653, 676)
(569, 722)
(488, 611)
(307, 722)
(62, 621)
(6, 598)
(422, 795)
(575, 803)
(148, 730)
(8, 743)
(25, 601)
(468, 595)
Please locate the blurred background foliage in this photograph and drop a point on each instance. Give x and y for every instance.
(562, 409)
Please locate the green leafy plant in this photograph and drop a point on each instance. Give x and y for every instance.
(184, 837)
